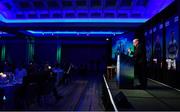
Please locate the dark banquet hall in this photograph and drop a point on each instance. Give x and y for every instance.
(89, 55)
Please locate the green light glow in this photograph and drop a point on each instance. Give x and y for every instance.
(30, 50)
(3, 53)
(58, 55)
(75, 20)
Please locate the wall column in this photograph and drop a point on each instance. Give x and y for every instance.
(58, 52)
(3, 52)
(30, 47)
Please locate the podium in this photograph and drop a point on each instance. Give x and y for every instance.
(125, 71)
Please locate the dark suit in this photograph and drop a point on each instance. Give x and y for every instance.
(140, 65)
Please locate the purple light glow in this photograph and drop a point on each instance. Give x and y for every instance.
(156, 6)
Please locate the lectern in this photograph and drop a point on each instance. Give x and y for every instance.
(125, 71)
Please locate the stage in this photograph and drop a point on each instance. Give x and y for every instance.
(157, 96)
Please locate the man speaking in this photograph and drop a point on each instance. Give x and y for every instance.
(139, 64)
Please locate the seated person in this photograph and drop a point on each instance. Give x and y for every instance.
(59, 73)
(20, 72)
(7, 67)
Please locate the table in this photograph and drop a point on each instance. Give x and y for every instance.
(110, 71)
(7, 95)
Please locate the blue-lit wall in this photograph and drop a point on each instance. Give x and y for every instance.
(45, 51)
(163, 64)
(89, 55)
(15, 51)
(23, 51)
(87, 52)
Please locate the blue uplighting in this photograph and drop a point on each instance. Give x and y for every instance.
(5, 34)
(40, 33)
(74, 20)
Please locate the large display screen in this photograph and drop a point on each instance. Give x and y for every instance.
(158, 42)
(148, 36)
(172, 42)
(121, 44)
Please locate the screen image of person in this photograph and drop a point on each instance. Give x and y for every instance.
(172, 51)
(148, 50)
(148, 37)
(157, 49)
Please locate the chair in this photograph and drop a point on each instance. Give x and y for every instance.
(1, 98)
(67, 75)
(25, 95)
(45, 87)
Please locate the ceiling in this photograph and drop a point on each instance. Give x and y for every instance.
(106, 15)
(53, 9)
